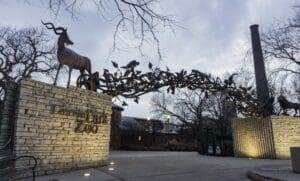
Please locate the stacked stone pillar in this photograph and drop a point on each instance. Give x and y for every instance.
(65, 129)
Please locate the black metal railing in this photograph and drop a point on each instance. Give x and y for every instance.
(28, 166)
(8, 171)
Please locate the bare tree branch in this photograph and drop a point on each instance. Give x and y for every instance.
(24, 52)
(141, 18)
(281, 43)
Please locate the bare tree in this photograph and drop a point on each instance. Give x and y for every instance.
(140, 18)
(24, 52)
(186, 106)
(221, 112)
(197, 110)
(281, 45)
(194, 108)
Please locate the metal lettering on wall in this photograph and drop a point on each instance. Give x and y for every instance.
(86, 120)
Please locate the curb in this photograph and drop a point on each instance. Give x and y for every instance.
(256, 177)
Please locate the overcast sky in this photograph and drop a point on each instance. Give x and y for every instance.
(214, 39)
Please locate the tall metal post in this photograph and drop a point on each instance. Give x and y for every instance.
(260, 72)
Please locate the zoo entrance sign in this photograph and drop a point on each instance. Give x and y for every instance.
(86, 120)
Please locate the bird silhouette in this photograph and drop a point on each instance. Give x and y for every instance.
(114, 64)
(132, 64)
(124, 103)
(150, 65)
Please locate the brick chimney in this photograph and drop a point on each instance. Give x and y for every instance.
(262, 88)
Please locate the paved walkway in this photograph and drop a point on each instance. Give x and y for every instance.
(274, 172)
(167, 166)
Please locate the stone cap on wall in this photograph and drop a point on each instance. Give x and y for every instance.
(28, 81)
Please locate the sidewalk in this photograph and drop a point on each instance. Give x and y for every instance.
(271, 172)
(168, 166)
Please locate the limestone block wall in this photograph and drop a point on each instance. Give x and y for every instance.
(253, 137)
(63, 128)
(286, 131)
(266, 137)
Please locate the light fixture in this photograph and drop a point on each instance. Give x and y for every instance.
(86, 174)
(111, 169)
(111, 163)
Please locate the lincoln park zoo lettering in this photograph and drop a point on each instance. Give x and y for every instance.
(86, 120)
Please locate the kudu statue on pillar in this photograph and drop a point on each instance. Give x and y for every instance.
(67, 56)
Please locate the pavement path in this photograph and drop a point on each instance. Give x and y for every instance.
(274, 172)
(167, 166)
(189, 166)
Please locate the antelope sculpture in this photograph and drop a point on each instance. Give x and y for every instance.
(67, 56)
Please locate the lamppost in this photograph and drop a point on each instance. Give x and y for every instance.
(151, 131)
(168, 124)
(149, 124)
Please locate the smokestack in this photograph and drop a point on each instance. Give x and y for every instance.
(262, 88)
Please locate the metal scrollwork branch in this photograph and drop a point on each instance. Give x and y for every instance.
(131, 83)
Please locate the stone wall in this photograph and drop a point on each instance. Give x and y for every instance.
(266, 137)
(252, 137)
(286, 131)
(63, 128)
